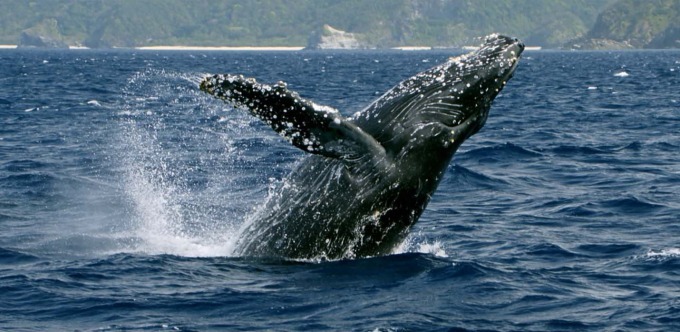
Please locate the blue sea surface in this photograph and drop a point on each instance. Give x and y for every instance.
(122, 187)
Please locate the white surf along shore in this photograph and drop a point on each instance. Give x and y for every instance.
(220, 48)
(189, 48)
(251, 48)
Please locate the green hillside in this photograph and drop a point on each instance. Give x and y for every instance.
(384, 23)
(636, 24)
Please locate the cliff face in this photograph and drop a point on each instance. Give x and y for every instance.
(43, 35)
(634, 24)
(330, 38)
(29, 39)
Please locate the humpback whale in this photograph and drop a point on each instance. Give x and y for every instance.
(368, 177)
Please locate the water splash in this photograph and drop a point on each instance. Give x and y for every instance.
(414, 243)
(179, 165)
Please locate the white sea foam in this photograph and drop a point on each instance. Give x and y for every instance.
(412, 244)
(622, 74)
(664, 253)
(436, 248)
(384, 329)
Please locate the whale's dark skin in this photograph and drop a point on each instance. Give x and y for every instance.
(369, 177)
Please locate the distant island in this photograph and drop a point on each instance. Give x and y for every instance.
(338, 24)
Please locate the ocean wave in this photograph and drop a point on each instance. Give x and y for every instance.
(631, 206)
(660, 262)
(23, 165)
(572, 150)
(462, 177)
(503, 152)
(32, 182)
(550, 251)
(665, 146)
(608, 249)
(11, 257)
(634, 146)
(462, 270)
(105, 210)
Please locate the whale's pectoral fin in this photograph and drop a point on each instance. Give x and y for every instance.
(313, 128)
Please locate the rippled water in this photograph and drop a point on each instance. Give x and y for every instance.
(121, 186)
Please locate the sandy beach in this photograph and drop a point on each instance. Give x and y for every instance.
(413, 48)
(191, 48)
(220, 48)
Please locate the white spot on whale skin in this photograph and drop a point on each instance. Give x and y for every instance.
(323, 108)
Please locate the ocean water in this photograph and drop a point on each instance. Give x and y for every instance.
(122, 186)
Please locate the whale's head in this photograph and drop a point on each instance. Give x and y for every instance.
(441, 107)
(476, 79)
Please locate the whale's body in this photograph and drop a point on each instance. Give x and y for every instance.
(369, 177)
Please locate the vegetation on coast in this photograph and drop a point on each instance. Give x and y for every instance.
(380, 23)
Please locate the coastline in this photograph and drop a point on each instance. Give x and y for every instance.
(220, 48)
(188, 48)
(292, 48)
